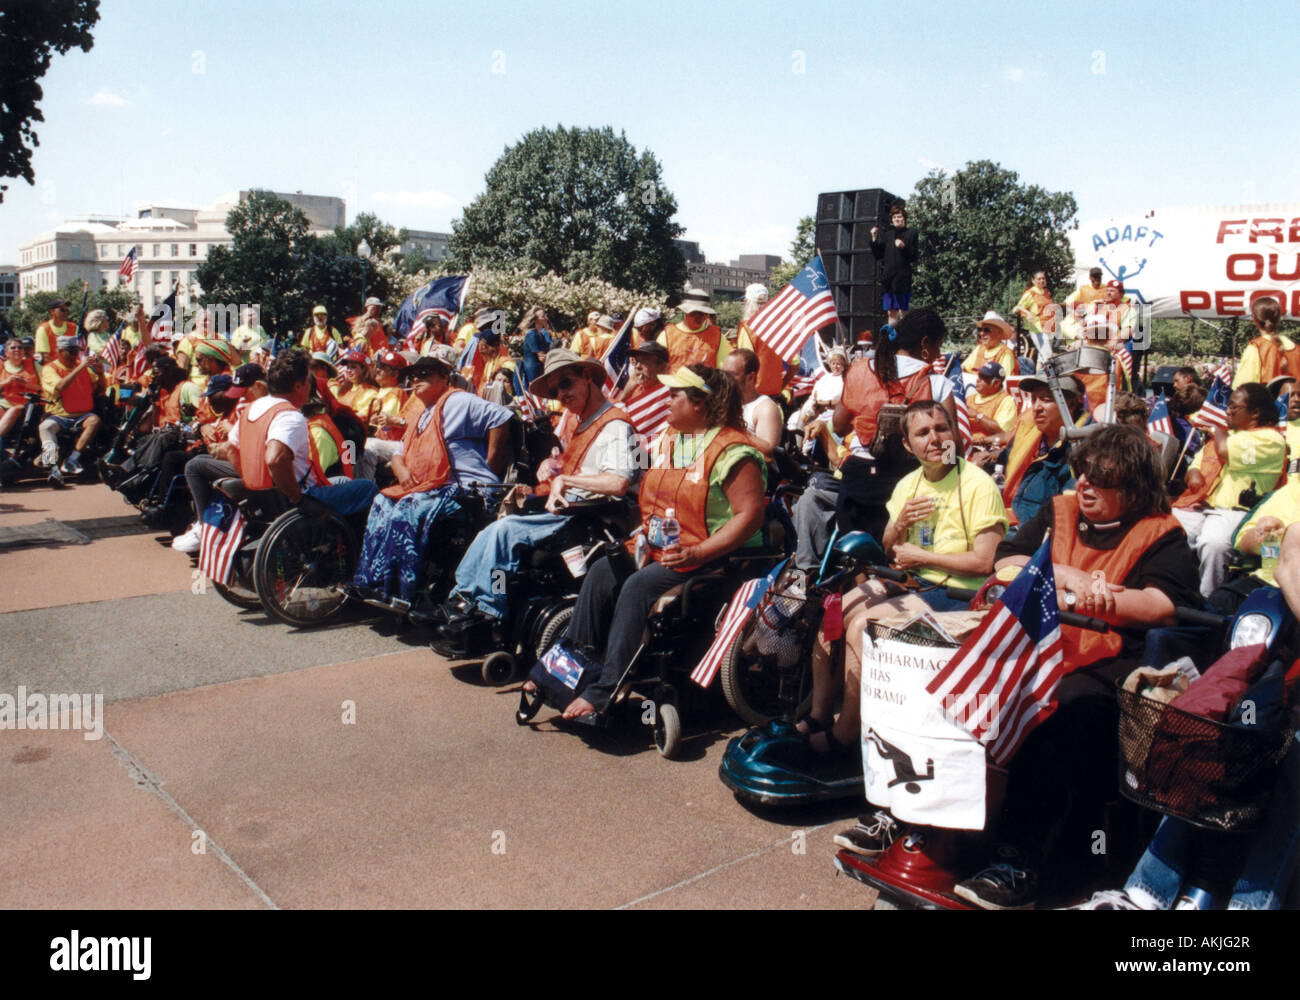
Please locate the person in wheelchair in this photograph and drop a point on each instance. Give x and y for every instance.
(70, 386)
(599, 461)
(946, 520)
(704, 470)
(457, 440)
(270, 444)
(1118, 554)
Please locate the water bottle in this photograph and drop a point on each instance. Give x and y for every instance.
(1270, 547)
(554, 464)
(669, 530)
(926, 535)
(1000, 476)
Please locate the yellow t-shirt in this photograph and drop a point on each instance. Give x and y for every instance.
(1000, 353)
(1004, 415)
(388, 400)
(326, 451)
(1248, 370)
(960, 514)
(51, 376)
(1293, 444)
(1255, 457)
(1284, 504)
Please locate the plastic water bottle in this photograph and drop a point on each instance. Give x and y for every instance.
(554, 464)
(1000, 476)
(1270, 547)
(669, 529)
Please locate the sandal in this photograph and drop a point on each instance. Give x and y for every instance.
(812, 725)
(834, 745)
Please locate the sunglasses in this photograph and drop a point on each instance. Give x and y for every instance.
(1100, 477)
(565, 384)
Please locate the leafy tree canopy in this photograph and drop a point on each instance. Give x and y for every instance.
(34, 309)
(29, 32)
(581, 203)
(802, 249)
(983, 234)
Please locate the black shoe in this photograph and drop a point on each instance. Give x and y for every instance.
(872, 836)
(1009, 883)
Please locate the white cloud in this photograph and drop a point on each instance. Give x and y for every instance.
(106, 98)
(430, 198)
(932, 165)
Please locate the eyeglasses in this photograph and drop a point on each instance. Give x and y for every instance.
(564, 384)
(1099, 477)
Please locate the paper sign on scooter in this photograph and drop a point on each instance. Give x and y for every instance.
(917, 763)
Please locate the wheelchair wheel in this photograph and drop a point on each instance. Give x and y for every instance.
(668, 730)
(235, 593)
(555, 630)
(301, 566)
(499, 668)
(756, 691)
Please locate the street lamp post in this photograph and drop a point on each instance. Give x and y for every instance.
(363, 251)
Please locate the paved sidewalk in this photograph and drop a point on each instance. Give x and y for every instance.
(243, 764)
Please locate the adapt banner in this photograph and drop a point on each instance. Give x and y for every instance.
(1201, 260)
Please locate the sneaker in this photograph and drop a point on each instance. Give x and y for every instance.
(71, 466)
(1001, 886)
(56, 477)
(1108, 899)
(188, 542)
(872, 835)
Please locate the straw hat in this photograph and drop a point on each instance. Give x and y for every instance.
(556, 361)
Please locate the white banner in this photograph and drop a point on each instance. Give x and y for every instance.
(1206, 260)
(924, 768)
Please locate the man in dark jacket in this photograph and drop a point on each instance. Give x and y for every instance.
(896, 250)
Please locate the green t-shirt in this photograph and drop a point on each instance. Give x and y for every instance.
(717, 512)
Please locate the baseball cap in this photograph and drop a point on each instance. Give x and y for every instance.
(992, 370)
(1068, 384)
(219, 384)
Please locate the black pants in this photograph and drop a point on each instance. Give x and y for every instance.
(1071, 759)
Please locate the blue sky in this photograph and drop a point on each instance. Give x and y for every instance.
(752, 108)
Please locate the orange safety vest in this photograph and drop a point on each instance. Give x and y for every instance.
(989, 407)
(169, 406)
(253, 469)
(1024, 449)
(686, 348)
(424, 450)
(771, 366)
(1273, 361)
(18, 384)
(324, 422)
(1083, 646)
(864, 395)
(685, 491)
(79, 397)
(580, 443)
(412, 407)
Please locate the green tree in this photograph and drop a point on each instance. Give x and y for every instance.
(984, 234)
(270, 243)
(581, 203)
(802, 250)
(34, 309)
(331, 271)
(29, 33)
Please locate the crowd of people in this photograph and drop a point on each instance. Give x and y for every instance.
(355, 419)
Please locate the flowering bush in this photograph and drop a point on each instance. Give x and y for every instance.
(566, 302)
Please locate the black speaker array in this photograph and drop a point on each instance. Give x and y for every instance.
(844, 221)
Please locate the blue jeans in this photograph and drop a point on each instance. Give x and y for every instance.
(1270, 855)
(344, 496)
(939, 600)
(498, 549)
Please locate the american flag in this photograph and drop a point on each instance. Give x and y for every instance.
(530, 406)
(1214, 411)
(963, 413)
(801, 308)
(1023, 399)
(127, 270)
(221, 533)
(1001, 683)
(1224, 372)
(801, 385)
(738, 612)
(649, 413)
(1125, 358)
(112, 352)
(616, 355)
(942, 365)
(1283, 411)
(1158, 421)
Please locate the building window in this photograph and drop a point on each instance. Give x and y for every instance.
(74, 251)
(176, 250)
(194, 249)
(157, 250)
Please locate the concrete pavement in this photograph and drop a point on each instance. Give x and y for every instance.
(244, 764)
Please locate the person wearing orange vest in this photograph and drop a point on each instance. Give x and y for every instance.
(707, 473)
(645, 363)
(696, 339)
(1271, 353)
(457, 439)
(1118, 555)
(1038, 462)
(17, 379)
(1036, 304)
(271, 447)
(320, 335)
(52, 329)
(354, 387)
(900, 373)
(69, 386)
(600, 460)
(647, 326)
(995, 336)
(592, 340)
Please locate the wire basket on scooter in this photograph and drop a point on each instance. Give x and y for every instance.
(1215, 776)
(911, 635)
(779, 623)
